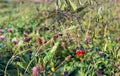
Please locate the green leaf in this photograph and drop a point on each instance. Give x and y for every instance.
(80, 9)
(80, 3)
(118, 53)
(62, 6)
(50, 54)
(72, 5)
(81, 72)
(20, 64)
(58, 3)
(54, 47)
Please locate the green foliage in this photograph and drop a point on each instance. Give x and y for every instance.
(49, 35)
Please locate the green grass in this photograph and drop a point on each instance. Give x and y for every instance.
(55, 38)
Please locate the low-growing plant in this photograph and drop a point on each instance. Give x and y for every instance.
(60, 38)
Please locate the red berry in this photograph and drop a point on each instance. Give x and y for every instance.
(80, 52)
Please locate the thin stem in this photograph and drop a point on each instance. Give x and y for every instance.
(29, 65)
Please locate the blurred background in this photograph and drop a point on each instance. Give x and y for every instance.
(26, 0)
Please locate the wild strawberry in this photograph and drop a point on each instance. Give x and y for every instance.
(80, 52)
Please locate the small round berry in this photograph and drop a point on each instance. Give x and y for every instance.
(80, 52)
